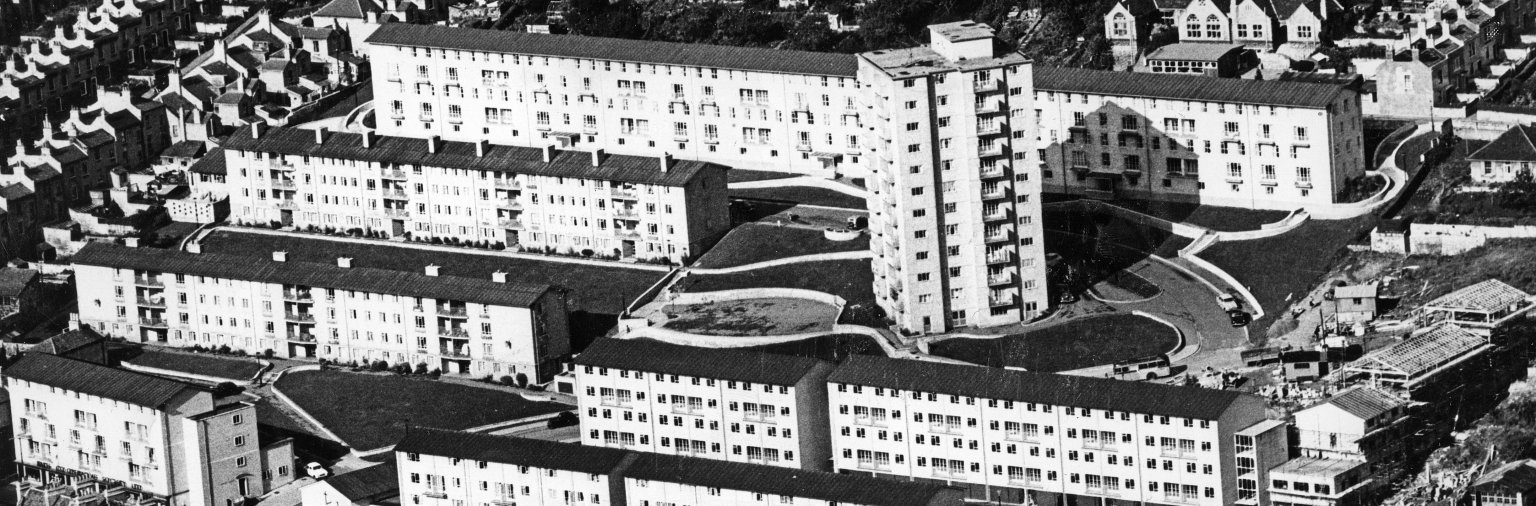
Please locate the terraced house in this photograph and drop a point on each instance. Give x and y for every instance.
(333, 311)
(1257, 24)
(91, 434)
(616, 206)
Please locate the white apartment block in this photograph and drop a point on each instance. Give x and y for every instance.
(444, 468)
(1016, 437)
(1270, 144)
(749, 108)
(101, 435)
(718, 404)
(313, 310)
(542, 199)
(955, 210)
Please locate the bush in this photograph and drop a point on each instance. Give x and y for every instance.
(268, 353)
(522, 380)
(196, 348)
(323, 362)
(435, 373)
(401, 368)
(421, 368)
(379, 366)
(226, 389)
(564, 419)
(508, 381)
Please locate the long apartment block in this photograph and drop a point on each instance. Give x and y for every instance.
(443, 468)
(708, 403)
(1016, 436)
(543, 198)
(748, 108)
(955, 206)
(338, 312)
(1269, 144)
(91, 434)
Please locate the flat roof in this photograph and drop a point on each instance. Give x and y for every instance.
(1185, 87)
(1367, 290)
(1308, 466)
(962, 31)
(620, 50)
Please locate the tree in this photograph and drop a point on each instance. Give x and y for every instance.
(811, 33)
(1519, 193)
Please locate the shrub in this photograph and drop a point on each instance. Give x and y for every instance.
(226, 389)
(522, 380)
(380, 366)
(435, 373)
(421, 368)
(564, 419)
(268, 353)
(508, 381)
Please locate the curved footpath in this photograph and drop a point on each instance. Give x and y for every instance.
(817, 182)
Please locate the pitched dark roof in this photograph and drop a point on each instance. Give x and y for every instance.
(620, 50)
(98, 380)
(836, 488)
(357, 9)
(1517, 476)
(184, 149)
(15, 191)
(13, 281)
(69, 341)
(1179, 87)
(1514, 144)
(721, 364)
(409, 284)
(461, 155)
(367, 484)
(512, 450)
(1365, 402)
(1022, 386)
(211, 163)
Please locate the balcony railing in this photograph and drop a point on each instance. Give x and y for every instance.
(627, 233)
(995, 192)
(154, 282)
(988, 107)
(454, 352)
(296, 296)
(987, 85)
(453, 311)
(509, 223)
(628, 213)
(300, 317)
(284, 184)
(999, 279)
(152, 302)
(508, 184)
(287, 204)
(392, 174)
(1000, 301)
(624, 193)
(1000, 257)
(997, 170)
(452, 332)
(397, 213)
(395, 193)
(990, 150)
(302, 337)
(152, 322)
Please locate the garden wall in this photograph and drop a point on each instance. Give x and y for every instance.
(1443, 239)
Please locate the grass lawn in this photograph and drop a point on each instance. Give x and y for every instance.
(369, 410)
(757, 242)
(753, 317)
(1224, 219)
(199, 363)
(744, 175)
(849, 279)
(835, 347)
(1076, 344)
(1286, 266)
(808, 195)
(1512, 261)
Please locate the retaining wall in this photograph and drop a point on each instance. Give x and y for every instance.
(198, 377)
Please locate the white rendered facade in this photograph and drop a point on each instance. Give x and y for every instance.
(769, 421)
(1163, 141)
(787, 111)
(136, 293)
(1012, 449)
(955, 204)
(540, 199)
(444, 480)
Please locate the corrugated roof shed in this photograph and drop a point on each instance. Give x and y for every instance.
(98, 380)
(1022, 386)
(512, 450)
(722, 364)
(1368, 290)
(1421, 353)
(461, 155)
(618, 50)
(1181, 87)
(409, 284)
(784, 481)
(1488, 295)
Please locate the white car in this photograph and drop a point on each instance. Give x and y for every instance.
(1228, 302)
(316, 471)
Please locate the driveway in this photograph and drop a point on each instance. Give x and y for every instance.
(1190, 305)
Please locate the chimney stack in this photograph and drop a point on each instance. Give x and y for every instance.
(368, 139)
(258, 128)
(279, 256)
(132, 242)
(499, 277)
(194, 248)
(665, 160)
(434, 143)
(320, 135)
(432, 270)
(482, 147)
(344, 262)
(597, 157)
(549, 153)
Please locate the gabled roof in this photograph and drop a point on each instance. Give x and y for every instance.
(782, 481)
(618, 50)
(720, 364)
(409, 284)
(1488, 296)
(13, 281)
(69, 341)
(1368, 290)
(1196, 51)
(1514, 145)
(368, 484)
(1364, 403)
(15, 191)
(512, 450)
(1184, 87)
(211, 163)
(184, 149)
(1513, 477)
(1426, 351)
(1024, 386)
(98, 380)
(356, 9)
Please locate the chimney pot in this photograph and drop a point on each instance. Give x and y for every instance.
(344, 262)
(597, 158)
(499, 277)
(432, 270)
(279, 256)
(665, 161)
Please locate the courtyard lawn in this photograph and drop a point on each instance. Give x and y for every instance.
(1088, 342)
(760, 242)
(833, 347)
(808, 195)
(370, 411)
(751, 317)
(199, 363)
(849, 279)
(1286, 266)
(1223, 219)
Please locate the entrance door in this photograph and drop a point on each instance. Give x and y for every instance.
(628, 249)
(287, 218)
(512, 238)
(397, 228)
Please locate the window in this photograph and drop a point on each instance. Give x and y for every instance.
(1120, 27)
(1192, 27)
(1212, 27)
(1303, 175)
(239, 440)
(1304, 32)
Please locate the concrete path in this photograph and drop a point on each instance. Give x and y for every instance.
(815, 182)
(819, 257)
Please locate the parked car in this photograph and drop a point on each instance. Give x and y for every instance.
(316, 471)
(1239, 317)
(1228, 302)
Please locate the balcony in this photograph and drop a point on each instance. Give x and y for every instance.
(999, 214)
(508, 184)
(995, 170)
(624, 193)
(299, 317)
(395, 193)
(994, 149)
(1000, 257)
(453, 332)
(397, 213)
(152, 302)
(454, 352)
(626, 213)
(436, 494)
(152, 322)
(988, 107)
(284, 184)
(871, 464)
(803, 146)
(282, 165)
(509, 203)
(627, 233)
(301, 337)
(990, 129)
(452, 311)
(994, 192)
(287, 204)
(509, 223)
(1000, 279)
(152, 282)
(987, 85)
(298, 296)
(392, 174)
